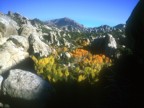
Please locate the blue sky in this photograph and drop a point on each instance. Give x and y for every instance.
(90, 13)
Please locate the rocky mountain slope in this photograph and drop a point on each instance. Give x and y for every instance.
(41, 36)
(65, 24)
(21, 38)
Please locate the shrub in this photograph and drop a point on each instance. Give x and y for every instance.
(84, 67)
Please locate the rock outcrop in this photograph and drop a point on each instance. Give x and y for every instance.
(16, 35)
(51, 38)
(27, 30)
(18, 18)
(135, 30)
(104, 44)
(3, 40)
(1, 79)
(38, 47)
(7, 26)
(111, 45)
(12, 52)
(20, 41)
(25, 85)
(129, 69)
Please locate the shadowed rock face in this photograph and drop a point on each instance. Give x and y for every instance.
(105, 44)
(1, 79)
(135, 30)
(129, 70)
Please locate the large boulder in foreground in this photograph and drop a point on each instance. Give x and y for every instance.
(26, 86)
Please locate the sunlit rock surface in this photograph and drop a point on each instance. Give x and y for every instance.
(39, 47)
(12, 52)
(26, 85)
(7, 26)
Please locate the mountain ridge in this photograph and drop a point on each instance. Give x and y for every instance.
(52, 22)
(65, 22)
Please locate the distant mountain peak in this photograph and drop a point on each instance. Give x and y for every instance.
(120, 26)
(65, 22)
(104, 26)
(67, 18)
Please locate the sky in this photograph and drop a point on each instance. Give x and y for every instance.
(90, 13)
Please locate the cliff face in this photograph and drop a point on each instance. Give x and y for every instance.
(135, 30)
(129, 70)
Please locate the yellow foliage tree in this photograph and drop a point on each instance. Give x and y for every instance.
(86, 68)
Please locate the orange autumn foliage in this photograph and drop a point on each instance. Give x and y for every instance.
(79, 53)
(88, 58)
(81, 67)
(88, 66)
